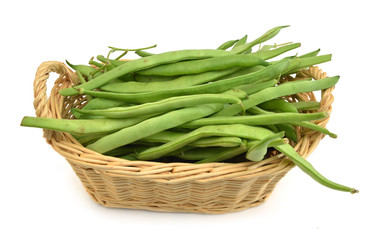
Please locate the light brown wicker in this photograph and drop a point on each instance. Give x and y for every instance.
(172, 187)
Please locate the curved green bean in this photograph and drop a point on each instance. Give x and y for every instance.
(227, 45)
(306, 105)
(255, 120)
(167, 136)
(161, 106)
(306, 167)
(152, 126)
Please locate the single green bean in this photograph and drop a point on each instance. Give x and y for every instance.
(85, 70)
(309, 61)
(152, 126)
(161, 106)
(310, 54)
(255, 120)
(97, 64)
(227, 45)
(258, 150)
(277, 51)
(143, 63)
(278, 105)
(241, 41)
(288, 129)
(306, 105)
(267, 36)
(196, 154)
(316, 127)
(205, 65)
(167, 136)
(256, 87)
(81, 126)
(144, 53)
(306, 167)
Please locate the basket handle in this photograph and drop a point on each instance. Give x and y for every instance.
(48, 107)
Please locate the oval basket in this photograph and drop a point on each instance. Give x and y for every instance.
(170, 187)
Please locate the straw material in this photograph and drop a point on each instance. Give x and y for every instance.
(172, 187)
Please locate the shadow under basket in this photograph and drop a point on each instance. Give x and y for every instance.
(175, 186)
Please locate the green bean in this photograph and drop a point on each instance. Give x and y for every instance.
(277, 51)
(83, 69)
(131, 157)
(161, 106)
(88, 138)
(256, 87)
(284, 89)
(309, 61)
(131, 148)
(227, 154)
(230, 130)
(310, 54)
(227, 45)
(258, 150)
(255, 120)
(316, 127)
(306, 167)
(196, 154)
(205, 65)
(267, 36)
(143, 53)
(230, 153)
(148, 79)
(143, 63)
(278, 105)
(240, 42)
(99, 103)
(152, 126)
(97, 64)
(306, 105)
(179, 82)
(167, 136)
(288, 129)
(81, 126)
(80, 77)
(115, 63)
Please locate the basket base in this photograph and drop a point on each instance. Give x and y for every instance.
(253, 195)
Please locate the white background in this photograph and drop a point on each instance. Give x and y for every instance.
(41, 197)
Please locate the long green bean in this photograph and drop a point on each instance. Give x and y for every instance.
(205, 65)
(161, 106)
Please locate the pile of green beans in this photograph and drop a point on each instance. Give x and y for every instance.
(197, 105)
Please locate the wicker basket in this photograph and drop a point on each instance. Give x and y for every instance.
(171, 187)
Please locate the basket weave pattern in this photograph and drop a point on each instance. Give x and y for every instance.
(172, 187)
